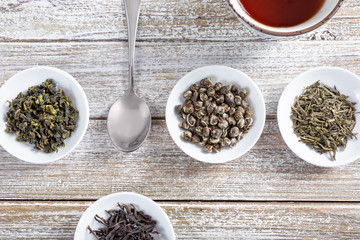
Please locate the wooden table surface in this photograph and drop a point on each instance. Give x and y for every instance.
(268, 193)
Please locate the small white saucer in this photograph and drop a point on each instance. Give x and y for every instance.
(227, 76)
(347, 83)
(142, 203)
(20, 82)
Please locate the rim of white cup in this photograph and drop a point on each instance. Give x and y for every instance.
(276, 31)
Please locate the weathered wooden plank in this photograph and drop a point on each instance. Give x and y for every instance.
(160, 170)
(101, 67)
(58, 220)
(160, 19)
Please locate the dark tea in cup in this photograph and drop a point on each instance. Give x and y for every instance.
(281, 13)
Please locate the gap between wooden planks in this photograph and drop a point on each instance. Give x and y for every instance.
(194, 220)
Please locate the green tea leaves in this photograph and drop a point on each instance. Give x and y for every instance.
(323, 118)
(43, 116)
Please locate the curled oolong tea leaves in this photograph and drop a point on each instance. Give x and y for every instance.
(324, 118)
(214, 116)
(126, 223)
(43, 116)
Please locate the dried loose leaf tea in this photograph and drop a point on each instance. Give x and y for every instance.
(125, 223)
(214, 116)
(323, 118)
(43, 116)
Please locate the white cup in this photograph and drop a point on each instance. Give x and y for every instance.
(323, 15)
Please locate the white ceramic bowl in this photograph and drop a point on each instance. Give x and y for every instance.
(20, 82)
(225, 75)
(142, 203)
(329, 8)
(347, 83)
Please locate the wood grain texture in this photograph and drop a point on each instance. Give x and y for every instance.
(160, 170)
(88, 39)
(101, 67)
(58, 220)
(163, 19)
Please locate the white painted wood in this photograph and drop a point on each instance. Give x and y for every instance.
(87, 38)
(160, 19)
(101, 67)
(251, 221)
(269, 172)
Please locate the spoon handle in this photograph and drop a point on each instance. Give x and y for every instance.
(132, 11)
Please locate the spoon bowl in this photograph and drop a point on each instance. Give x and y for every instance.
(129, 122)
(129, 118)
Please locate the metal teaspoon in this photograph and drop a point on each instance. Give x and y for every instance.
(129, 118)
